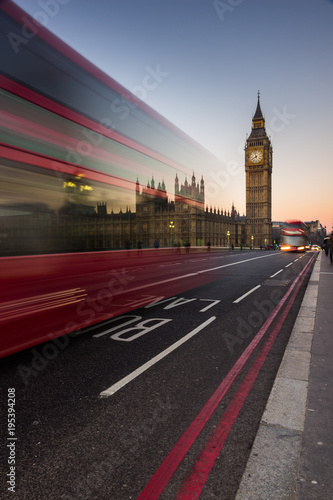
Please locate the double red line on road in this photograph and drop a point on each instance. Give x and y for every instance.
(194, 483)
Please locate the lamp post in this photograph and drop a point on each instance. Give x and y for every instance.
(228, 235)
(252, 242)
(171, 227)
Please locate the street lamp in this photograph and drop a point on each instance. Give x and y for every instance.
(171, 227)
(251, 242)
(228, 234)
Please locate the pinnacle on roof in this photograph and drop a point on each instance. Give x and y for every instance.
(258, 114)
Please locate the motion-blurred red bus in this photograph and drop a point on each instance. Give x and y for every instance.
(74, 145)
(293, 236)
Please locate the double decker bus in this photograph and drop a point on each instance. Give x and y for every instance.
(76, 150)
(294, 236)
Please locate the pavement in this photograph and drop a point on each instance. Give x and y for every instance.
(292, 455)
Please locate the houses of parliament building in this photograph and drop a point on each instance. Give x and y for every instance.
(184, 220)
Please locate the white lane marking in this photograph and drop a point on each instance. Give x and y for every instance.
(291, 263)
(246, 294)
(121, 383)
(273, 275)
(233, 264)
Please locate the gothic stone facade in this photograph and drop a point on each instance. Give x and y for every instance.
(184, 220)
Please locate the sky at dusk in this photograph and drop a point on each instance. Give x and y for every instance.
(212, 57)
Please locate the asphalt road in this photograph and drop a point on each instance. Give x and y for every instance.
(163, 401)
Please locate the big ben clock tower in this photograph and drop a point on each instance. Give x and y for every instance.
(258, 168)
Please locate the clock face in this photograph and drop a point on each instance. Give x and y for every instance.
(256, 156)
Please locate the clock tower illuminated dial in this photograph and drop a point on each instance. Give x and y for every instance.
(256, 156)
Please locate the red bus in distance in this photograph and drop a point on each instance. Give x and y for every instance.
(294, 236)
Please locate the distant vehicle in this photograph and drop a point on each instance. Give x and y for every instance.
(268, 247)
(315, 247)
(294, 236)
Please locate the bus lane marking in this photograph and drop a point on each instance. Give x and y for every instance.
(129, 319)
(180, 301)
(124, 381)
(142, 328)
(133, 319)
(214, 303)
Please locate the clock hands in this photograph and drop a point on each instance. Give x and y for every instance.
(256, 156)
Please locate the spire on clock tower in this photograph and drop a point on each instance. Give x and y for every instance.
(258, 123)
(258, 114)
